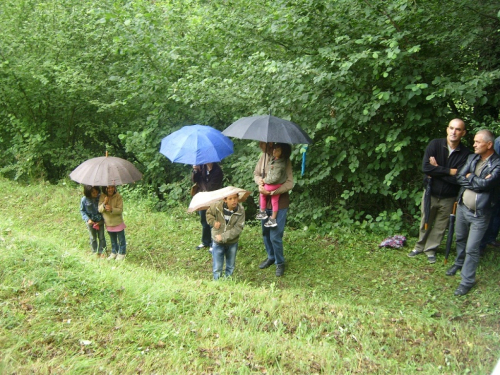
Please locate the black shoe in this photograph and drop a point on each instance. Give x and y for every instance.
(462, 290)
(453, 270)
(268, 262)
(414, 253)
(280, 269)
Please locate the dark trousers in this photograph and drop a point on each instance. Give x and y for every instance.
(206, 235)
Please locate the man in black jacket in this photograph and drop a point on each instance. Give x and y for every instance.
(442, 159)
(480, 180)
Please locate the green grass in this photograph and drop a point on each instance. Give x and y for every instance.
(344, 305)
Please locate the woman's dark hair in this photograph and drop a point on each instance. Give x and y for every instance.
(105, 190)
(87, 190)
(286, 149)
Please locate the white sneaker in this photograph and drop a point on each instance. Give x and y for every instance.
(120, 257)
(271, 223)
(261, 215)
(112, 256)
(211, 250)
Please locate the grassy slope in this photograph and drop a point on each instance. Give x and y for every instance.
(344, 305)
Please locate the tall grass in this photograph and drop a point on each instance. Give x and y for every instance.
(344, 305)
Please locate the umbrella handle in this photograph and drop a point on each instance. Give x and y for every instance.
(264, 165)
(454, 208)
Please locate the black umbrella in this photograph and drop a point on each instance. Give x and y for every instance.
(427, 202)
(451, 229)
(267, 128)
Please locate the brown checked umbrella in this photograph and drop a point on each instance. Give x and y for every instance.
(427, 202)
(204, 199)
(106, 171)
(451, 231)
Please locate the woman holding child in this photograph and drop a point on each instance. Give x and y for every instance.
(273, 236)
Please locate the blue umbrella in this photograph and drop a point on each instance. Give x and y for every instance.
(196, 145)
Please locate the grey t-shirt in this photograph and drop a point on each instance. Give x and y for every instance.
(469, 196)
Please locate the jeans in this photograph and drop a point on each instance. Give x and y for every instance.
(273, 236)
(97, 234)
(493, 228)
(221, 251)
(469, 231)
(118, 243)
(206, 235)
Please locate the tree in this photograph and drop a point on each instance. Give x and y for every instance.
(371, 81)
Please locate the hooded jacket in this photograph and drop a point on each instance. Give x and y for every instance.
(114, 217)
(277, 172)
(487, 189)
(262, 169)
(230, 232)
(89, 209)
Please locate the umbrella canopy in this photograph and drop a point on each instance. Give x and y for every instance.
(204, 199)
(196, 145)
(267, 128)
(106, 171)
(451, 230)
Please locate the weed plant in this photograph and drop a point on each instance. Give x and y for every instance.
(344, 306)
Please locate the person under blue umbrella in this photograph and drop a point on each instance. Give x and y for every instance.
(208, 177)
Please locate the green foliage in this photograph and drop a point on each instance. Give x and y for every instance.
(370, 81)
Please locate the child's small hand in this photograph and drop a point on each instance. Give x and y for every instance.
(217, 225)
(218, 238)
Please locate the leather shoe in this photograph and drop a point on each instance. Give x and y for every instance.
(268, 262)
(280, 269)
(453, 270)
(462, 290)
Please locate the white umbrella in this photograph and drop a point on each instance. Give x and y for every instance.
(203, 200)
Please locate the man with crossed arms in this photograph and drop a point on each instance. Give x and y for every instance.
(480, 180)
(442, 159)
